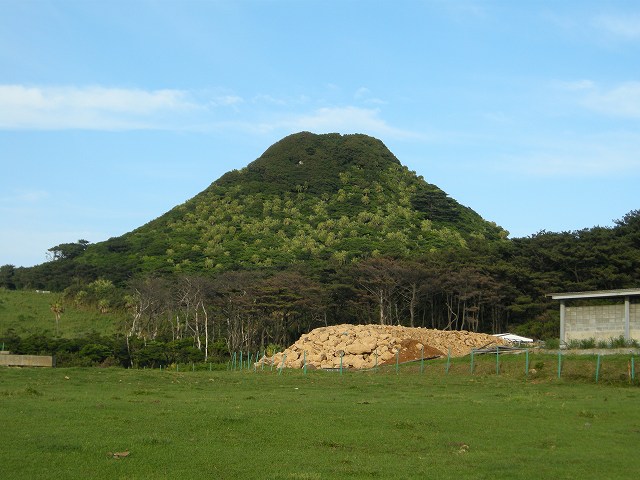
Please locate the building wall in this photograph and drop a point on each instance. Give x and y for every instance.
(601, 322)
(634, 321)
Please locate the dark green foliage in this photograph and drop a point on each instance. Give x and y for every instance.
(7, 277)
(94, 349)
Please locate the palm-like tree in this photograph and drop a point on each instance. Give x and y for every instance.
(57, 310)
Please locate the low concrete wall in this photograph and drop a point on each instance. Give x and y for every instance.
(27, 360)
(601, 322)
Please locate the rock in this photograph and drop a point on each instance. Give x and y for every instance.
(361, 343)
(292, 356)
(358, 348)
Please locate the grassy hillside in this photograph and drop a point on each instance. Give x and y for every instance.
(28, 312)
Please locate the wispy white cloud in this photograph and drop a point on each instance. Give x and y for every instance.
(622, 100)
(25, 196)
(101, 108)
(550, 164)
(607, 155)
(347, 119)
(577, 85)
(364, 95)
(622, 26)
(227, 100)
(91, 108)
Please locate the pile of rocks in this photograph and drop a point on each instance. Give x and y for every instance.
(364, 346)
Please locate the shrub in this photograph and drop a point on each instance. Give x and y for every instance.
(95, 352)
(588, 343)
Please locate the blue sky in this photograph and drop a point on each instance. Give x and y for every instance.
(112, 113)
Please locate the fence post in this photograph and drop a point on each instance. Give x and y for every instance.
(633, 368)
(422, 360)
(497, 359)
(526, 363)
(397, 360)
(559, 364)
(448, 359)
(376, 358)
(304, 370)
(598, 368)
(472, 351)
(341, 355)
(241, 361)
(284, 357)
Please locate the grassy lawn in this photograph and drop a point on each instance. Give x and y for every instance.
(61, 423)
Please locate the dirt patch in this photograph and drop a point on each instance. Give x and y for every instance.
(411, 350)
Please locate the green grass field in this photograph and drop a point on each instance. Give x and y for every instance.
(61, 423)
(26, 312)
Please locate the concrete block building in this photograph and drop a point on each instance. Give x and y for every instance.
(601, 314)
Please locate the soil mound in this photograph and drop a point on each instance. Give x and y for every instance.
(364, 346)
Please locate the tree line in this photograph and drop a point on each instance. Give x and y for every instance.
(486, 286)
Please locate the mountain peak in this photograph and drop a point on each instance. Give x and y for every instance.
(314, 161)
(316, 199)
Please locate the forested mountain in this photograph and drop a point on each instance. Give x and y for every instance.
(327, 229)
(314, 199)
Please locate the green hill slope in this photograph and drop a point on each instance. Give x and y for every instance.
(29, 312)
(309, 198)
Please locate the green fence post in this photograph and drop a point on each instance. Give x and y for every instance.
(376, 360)
(597, 368)
(241, 361)
(633, 368)
(284, 357)
(341, 355)
(397, 361)
(422, 360)
(559, 364)
(526, 363)
(448, 360)
(497, 359)
(264, 356)
(472, 351)
(304, 368)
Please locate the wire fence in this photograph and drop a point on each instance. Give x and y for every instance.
(528, 364)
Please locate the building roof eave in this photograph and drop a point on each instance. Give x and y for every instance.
(625, 292)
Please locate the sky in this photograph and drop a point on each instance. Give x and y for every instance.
(112, 113)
